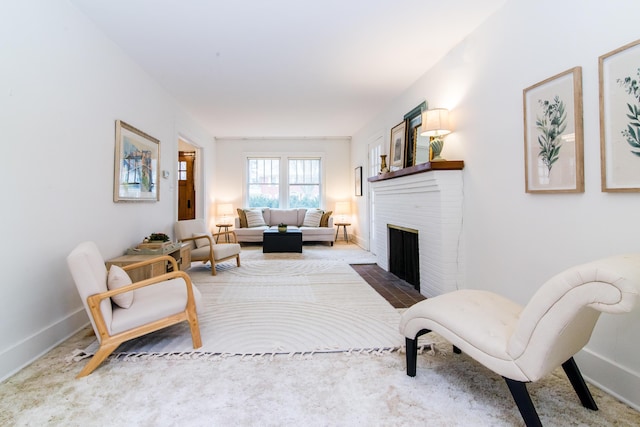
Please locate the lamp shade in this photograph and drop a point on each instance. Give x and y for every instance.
(435, 122)
(225, 209)
(343, 208)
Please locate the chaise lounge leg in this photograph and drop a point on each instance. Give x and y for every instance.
(412, 352)
(523, 401)
(411, 355)
(575, 377)
(456, 350)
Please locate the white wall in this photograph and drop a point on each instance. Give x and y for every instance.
(232, 152)
(514, 241)
(62, 86)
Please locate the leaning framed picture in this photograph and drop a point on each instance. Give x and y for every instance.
(620, 119)
(358, 181)
(137, 162)
(553, 134)
(396, 151)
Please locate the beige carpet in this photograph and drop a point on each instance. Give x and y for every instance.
(289, 304)
(326, 389)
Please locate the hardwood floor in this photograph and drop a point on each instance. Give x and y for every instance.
(399, 293)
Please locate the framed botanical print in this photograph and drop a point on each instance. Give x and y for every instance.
(553, 134)
(620, 119)
(137, 164)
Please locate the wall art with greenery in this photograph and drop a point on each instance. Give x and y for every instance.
(620, 118)
(553, 134)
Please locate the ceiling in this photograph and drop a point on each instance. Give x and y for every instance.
(286, 68)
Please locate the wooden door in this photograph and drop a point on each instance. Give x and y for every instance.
(186, 185)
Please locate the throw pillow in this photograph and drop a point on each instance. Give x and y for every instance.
(116, 279)
(324, 221)
(254, 218)
(312, 218)
(243, 218)
(201, 243)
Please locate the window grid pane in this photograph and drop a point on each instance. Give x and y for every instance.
(263, 182)
(304, 183)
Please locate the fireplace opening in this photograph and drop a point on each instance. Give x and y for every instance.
(404, 260)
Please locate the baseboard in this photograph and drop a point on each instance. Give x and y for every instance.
(611, 377)
(35, 346)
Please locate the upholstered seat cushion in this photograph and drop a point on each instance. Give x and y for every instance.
(481, 319)
(151, 303)
(225, 250)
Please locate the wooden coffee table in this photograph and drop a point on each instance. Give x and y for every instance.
(275, 241)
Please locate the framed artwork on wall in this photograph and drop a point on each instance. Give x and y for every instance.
(553, 134)
(137, 164)
(619, 72)
(358, 181)
(396, 151)
(413, 119)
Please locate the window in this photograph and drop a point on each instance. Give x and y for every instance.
(301, 180)
(304, 183)
(264, 182)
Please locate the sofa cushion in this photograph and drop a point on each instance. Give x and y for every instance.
(324, 221)
(254, 218)
(312, 218)
(284, 216)
(116, 279)
(201, 243)
(243, 218)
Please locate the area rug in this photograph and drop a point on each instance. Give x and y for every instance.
(287, 304)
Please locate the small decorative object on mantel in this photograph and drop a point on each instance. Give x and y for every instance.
(282, 228)
(383, 164)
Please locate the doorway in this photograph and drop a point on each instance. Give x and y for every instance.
(186, 185)
(375, 150)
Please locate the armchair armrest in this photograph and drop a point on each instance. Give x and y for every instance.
(93, 301)
(232, 236)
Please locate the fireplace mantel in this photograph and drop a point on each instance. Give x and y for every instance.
(432, 204)
(421, 168)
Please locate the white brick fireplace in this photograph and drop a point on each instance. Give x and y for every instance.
(429, 201)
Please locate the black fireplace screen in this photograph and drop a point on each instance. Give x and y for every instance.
(404, 258)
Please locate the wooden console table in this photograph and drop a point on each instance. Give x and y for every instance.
(182, 255)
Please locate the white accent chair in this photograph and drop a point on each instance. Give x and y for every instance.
(208, 248)
(523, 344)
(158, 302)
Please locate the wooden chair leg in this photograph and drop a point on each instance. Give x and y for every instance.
(238, 260)
(103, 352)
(523, 401)
(195, 330)
(577, 381)
(213, 268)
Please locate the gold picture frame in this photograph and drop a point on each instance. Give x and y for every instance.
(137, 165)
(396, 150)
(619, 74)
(554, 135)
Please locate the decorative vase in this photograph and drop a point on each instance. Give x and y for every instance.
(383, 163)
(282, 228)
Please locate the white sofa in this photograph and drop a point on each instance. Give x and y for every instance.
(293, 218)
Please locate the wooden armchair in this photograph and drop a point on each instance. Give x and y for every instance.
(204, 245)
(156, 303)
